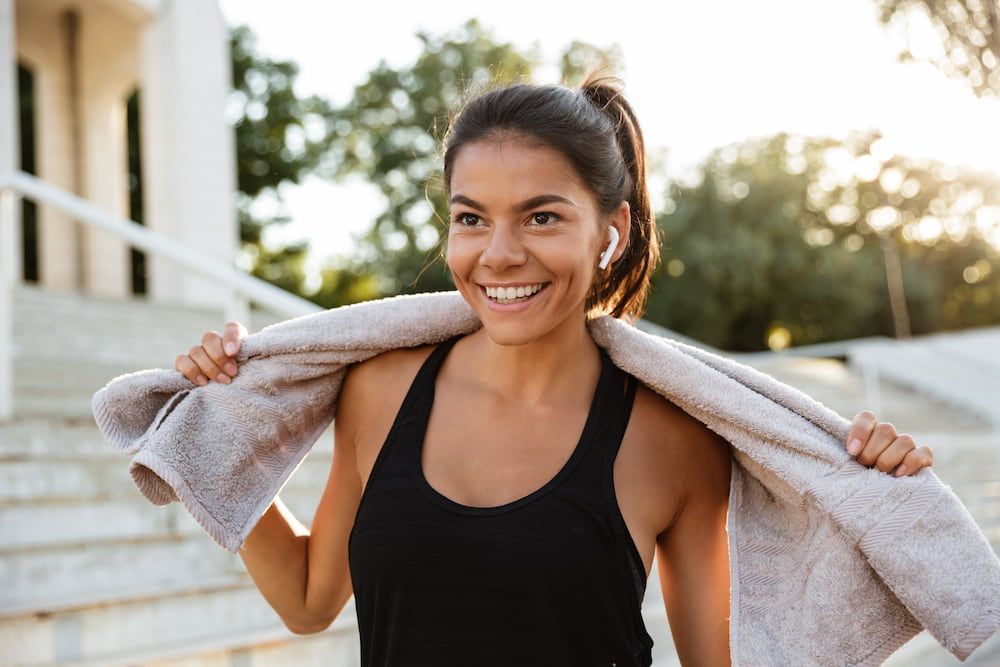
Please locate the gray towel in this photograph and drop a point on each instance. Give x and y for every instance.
(833, 563)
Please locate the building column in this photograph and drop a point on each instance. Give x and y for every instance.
(9, 143)
(42, 47)
(189, 160)
(108, 71)
(10, 266)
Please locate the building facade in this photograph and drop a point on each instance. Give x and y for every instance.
(122, 102)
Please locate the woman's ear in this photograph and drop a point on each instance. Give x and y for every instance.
(621, 219)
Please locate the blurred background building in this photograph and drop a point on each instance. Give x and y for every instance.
(113, 111)
(100, 84)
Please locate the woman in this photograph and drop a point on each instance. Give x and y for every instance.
(499, 499)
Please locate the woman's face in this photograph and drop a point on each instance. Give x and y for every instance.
(524, 240)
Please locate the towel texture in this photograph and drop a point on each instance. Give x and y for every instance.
(833, 563)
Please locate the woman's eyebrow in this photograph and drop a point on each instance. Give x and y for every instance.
(466, 201)
(541, 200)
(526, 205)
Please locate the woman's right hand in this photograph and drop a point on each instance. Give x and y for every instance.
(215, 358)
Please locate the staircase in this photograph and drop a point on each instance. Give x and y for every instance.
(964, 439)
(92, 573)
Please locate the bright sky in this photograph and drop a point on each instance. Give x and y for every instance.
(700, 75)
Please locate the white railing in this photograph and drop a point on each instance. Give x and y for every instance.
(243, 288)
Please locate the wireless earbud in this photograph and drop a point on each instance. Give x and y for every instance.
(606, 256)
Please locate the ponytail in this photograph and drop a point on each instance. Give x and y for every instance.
(622, 290)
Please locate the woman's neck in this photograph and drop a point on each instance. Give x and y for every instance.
(558, 365)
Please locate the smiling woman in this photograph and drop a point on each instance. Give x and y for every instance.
(499, 498)
(521, 224)
(595, 144)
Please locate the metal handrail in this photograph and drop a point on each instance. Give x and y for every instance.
(243, 287)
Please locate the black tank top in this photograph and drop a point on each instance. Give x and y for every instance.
(552, 579)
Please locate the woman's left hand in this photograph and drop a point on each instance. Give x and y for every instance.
(877, 444)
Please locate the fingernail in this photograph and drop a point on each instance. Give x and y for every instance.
(231, 369)
(230, 349)
(201, 380)
(223, 378)
(854, 447)
(901, 471)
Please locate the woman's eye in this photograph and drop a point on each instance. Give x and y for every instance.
(467, 219)
(544, 218)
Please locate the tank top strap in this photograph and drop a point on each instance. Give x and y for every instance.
(415, 410)
(616, 395)
(434, 360)
(421, 392)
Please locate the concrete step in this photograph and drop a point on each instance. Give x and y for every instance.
(124, 514)
(960, 368)
(842, 388)
(166, 624)
(68, 345)
(50, 578)
(35, 525)
(54, 438)
(54, 375)
(29, 479)
(265, 648)
(68, 506)
(57, 324)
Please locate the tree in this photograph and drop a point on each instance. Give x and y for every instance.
(580, 59)
(390, 132)
(783, 242)
(965, 42)
(280, 137)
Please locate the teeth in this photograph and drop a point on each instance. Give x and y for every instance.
(506, 295)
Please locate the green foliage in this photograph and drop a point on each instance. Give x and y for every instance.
(967, 34)
(784, 240)
(580, 59)
(280, 136)
(389, 133)
(283, 267)
(786, 236)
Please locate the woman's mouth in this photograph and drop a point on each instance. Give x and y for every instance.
(508, 295)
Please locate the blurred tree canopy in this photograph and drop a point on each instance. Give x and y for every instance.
(280, 137)
(390, 132)
(784, 241)
(959, 37)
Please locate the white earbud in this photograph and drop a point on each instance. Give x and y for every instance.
(606, 256)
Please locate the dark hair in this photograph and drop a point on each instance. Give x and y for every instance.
(595, 128)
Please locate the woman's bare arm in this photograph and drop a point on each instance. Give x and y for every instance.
(693, 557)
(304, 573)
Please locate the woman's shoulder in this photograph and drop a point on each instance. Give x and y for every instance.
(659, 415)
(675, 438)
(372, 394)
(388, 373)
(669, 463)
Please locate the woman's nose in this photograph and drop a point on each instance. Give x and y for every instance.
(504, 249)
